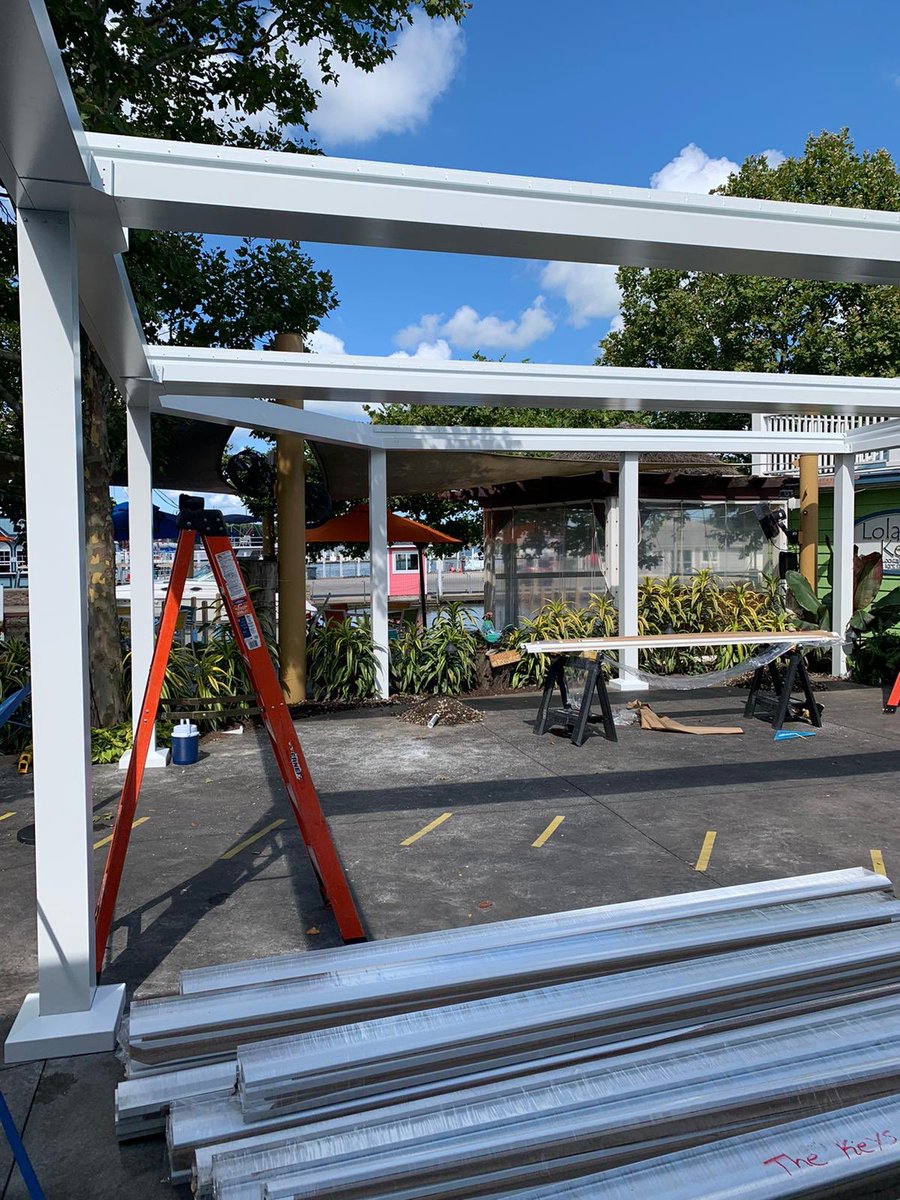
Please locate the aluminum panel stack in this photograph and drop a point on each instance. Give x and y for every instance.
(529, 1054)
(178, 1030)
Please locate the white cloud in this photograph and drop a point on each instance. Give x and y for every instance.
(692, 170)
(468, 330)
(322, 342)
(396, 97)
(589, 289)
(436, 351)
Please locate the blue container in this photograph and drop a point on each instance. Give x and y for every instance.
(185, 744)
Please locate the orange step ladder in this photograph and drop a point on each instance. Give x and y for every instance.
(193, 521)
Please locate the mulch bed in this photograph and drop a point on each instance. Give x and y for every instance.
(441, 710)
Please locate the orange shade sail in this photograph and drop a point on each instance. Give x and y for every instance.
(353, 526)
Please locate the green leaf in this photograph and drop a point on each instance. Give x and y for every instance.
(803, 593)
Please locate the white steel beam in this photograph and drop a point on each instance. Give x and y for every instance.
(262, 414)
(218, 189)
(842, 566)
(884, 436)
(68, 1014)
(629, 528)
(379, 573)
(320, 427)
(705, 441)
(253, 373)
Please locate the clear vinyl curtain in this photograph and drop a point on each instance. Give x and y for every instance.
(542, 553)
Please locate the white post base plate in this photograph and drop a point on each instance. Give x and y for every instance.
(89, 1032)
(626, 683)
(156, 758)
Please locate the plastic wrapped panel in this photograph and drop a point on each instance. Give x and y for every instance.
(213, 1023)
(528, 930)
(379, 1055)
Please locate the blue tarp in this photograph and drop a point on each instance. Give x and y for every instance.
(163, 523)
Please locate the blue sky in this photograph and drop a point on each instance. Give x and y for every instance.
(644, 93)
(609, 93)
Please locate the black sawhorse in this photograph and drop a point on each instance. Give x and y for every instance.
(576, 719)
(781, 705)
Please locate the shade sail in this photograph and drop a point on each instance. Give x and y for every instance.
(353, 526)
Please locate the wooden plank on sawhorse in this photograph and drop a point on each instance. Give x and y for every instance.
(576, 719)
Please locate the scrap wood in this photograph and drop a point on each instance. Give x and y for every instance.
(504, 658)
(651, 720)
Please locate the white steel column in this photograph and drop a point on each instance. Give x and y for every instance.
(140, 553)
(68, 1014)
(629, 531)
(379, 575)
(842, 568)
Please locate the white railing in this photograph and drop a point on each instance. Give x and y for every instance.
(787, 464)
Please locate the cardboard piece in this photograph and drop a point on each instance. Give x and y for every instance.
(651, 720)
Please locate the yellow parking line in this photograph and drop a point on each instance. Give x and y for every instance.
(428, 828)
(705, 851)
(250, 840)
(109, 837)
(877, 862)
(549, 831)
(5, 816)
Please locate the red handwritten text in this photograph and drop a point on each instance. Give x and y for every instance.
(881, 1140)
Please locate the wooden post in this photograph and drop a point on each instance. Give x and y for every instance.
(809, 517)
(268, 536)
(291, 508)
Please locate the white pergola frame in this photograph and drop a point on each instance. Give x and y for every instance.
(77, 194)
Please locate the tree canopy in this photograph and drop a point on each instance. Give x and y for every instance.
(686, 319)
(238, 72)
(242, 72)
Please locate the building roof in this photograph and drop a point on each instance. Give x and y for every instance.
(353, 526)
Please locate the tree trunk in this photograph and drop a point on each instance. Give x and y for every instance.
(107, 694)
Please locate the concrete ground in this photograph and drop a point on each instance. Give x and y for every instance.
(216, 871)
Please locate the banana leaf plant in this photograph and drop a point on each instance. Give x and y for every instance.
(871, 613)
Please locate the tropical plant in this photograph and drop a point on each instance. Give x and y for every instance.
(408, 660)
(450, 649)
(871, 613)
(108, 745)
(340, 661)
(14, 671)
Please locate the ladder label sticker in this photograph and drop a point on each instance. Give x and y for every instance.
(295, 763)
(249, 632)
(231, 575)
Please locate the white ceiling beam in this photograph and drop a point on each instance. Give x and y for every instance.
(524, 385)
(883, 436)
(277, 418)
(617, 441)
(224, 190)
(274, 418)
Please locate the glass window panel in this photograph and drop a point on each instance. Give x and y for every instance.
(683, 537)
